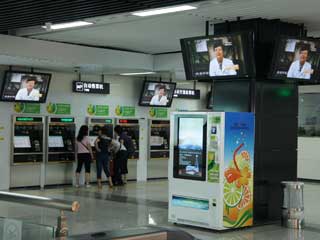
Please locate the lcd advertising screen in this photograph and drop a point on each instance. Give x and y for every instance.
(25, 87)
(157, 94)
(296, 59)
(191, 148)
(218, 57)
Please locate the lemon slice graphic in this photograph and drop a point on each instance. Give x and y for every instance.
(232, 195)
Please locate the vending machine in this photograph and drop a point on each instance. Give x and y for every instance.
(132, 128)
(27, 150)
(211, 169)
(158, 148)
(60, 150)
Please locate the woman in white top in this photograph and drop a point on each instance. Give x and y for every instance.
(84, 154)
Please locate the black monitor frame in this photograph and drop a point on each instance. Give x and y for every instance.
(276, 55)
(248, 52)
(148, 105)
(23, 72)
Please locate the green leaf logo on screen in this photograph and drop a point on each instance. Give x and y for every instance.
(91, 109)
(18, 107)
(51, 108)
(152, 112)
(118, 110)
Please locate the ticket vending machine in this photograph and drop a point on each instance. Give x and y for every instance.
(27, 150)
(132, 128)
(60, 150)
(95, 124)
(159, 142)
(211, 169)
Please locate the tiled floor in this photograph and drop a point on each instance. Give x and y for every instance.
(140, 204)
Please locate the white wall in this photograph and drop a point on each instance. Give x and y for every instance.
(308, 147)
(124, 91)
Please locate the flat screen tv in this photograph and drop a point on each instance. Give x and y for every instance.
(25, 87)
(296, 59)
(190, 148)
(218, 57)
(157, 94)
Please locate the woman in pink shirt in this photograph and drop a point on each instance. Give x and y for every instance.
(84, 154)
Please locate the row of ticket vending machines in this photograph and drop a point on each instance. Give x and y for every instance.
(49, 141)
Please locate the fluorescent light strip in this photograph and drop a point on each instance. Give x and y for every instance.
(137, 73)
(159, 11)
(67, 25)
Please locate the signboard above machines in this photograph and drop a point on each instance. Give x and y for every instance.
(186, 93)
(90, 87)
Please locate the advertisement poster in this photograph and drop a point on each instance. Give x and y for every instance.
(33, 108)
(98, 110)
(59, 108)
(158, 112)
(125, 111)
(238, 172)
(213, 161)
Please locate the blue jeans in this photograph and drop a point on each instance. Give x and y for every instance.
(102, 163)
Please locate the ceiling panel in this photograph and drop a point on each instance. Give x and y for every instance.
(27, 13)
(162, 33)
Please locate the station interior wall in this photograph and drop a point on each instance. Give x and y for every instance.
(124, 91)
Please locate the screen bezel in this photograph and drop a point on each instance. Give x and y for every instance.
(248, 52)
(22, 72)
(204, 150)
(276, 54)
(148, 105)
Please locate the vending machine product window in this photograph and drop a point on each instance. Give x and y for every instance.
(190, 148)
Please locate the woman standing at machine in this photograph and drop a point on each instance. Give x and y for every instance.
(125, 153)
(102, 145)
(84, 155)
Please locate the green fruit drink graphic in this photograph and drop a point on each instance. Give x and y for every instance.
(91, 109)
(18, 107)
(51, 108)
(118, 110)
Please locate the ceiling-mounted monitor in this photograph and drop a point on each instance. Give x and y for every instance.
(218, 57)
(157, 94)
(25, 87)
(296, 59)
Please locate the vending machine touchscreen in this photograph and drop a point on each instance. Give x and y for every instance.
(61, 139)
(27, 140)
(159, 139)
(95, 125)
(132, 128)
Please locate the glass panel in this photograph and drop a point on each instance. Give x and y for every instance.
(309, 115)
(18, 230)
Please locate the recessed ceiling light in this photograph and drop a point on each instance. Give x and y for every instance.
(159, 11)
(137, 73)
(58, 26)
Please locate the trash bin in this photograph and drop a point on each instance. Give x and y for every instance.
(292, 207)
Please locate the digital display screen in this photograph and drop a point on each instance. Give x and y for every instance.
(296, 59)
(55, 142)
(25, 87)
(190, 147)
(214, 57)
(21, 142)
(157, 94)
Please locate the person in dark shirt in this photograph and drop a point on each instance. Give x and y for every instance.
(102, 144)
(127, 152)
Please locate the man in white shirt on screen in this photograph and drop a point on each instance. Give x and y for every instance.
(160, 99)
(220, 66)
(29, 93)
(301, 68)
